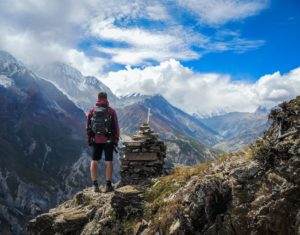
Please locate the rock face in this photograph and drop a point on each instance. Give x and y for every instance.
(252, 192)
(257, 192)
(132, 197)
(71, 216)
(91, 213)
(42, 146)
(143, 157)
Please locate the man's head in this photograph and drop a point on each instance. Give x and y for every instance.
(102, 95)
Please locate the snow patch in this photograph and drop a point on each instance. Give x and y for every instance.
(32, 147)
(5, 81)
(82, 86)
(48, 150)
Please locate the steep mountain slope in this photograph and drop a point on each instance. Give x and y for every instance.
(82, 90)
(187, 138)
(252, 192)
(238, 129)
(165, 117)
(42, 146)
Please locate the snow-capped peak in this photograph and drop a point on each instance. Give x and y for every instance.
(67, 70)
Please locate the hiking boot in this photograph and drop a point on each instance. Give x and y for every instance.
(108, 188)
(96, 189)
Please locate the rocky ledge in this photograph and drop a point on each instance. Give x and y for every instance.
(256, 191)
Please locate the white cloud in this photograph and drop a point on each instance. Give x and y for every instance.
(275, 87)
(88, 66)
(40, 31)
(37, 29)
(219, 12)
(204, 93)
(143, 45)
(235, 44)
(21, 46)
(135, 36)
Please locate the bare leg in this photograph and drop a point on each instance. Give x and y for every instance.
(109, 169)
(94, 170)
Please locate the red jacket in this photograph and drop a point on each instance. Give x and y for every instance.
(101, 139)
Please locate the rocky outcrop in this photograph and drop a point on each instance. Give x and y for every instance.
(256, 191)
(91, 213)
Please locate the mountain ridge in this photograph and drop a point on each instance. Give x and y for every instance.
(81, 89)
(238, 129)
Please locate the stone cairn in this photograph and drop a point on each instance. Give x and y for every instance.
(143, 157)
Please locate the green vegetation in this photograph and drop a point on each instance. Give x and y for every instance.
(160, 206)
(260, 148)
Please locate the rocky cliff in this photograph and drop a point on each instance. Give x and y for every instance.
(43, 154)
(256, 191)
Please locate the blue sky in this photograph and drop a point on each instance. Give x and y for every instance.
(219, 55)
(278, 26)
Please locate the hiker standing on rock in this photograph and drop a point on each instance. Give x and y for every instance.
(103, 135)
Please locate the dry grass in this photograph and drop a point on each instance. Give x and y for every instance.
(159, 209)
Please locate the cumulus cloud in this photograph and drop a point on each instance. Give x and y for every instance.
(88, 66)
(204, 93)
(219, 12)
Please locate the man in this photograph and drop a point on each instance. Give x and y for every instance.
(103, 135)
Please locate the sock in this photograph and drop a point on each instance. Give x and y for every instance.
(108, 182)
(95, 183)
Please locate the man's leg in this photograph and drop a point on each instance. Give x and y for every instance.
(109, 170)
(97, 152)
(94, 170)
(109, 166)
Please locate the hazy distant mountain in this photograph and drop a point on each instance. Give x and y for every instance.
(187, 137)
(43, 155)
(81, 89)
(166, 118)
(238, 129)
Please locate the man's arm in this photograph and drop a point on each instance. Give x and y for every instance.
(117, 129)
(89, 133)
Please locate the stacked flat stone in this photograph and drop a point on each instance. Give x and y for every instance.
(143, 157)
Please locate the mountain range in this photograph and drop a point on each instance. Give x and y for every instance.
(43, 154)
(186, 136)
(228, 132)
(238, 129)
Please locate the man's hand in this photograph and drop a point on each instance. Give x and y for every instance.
(90, 137)
(115, 147)
(91, 141)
